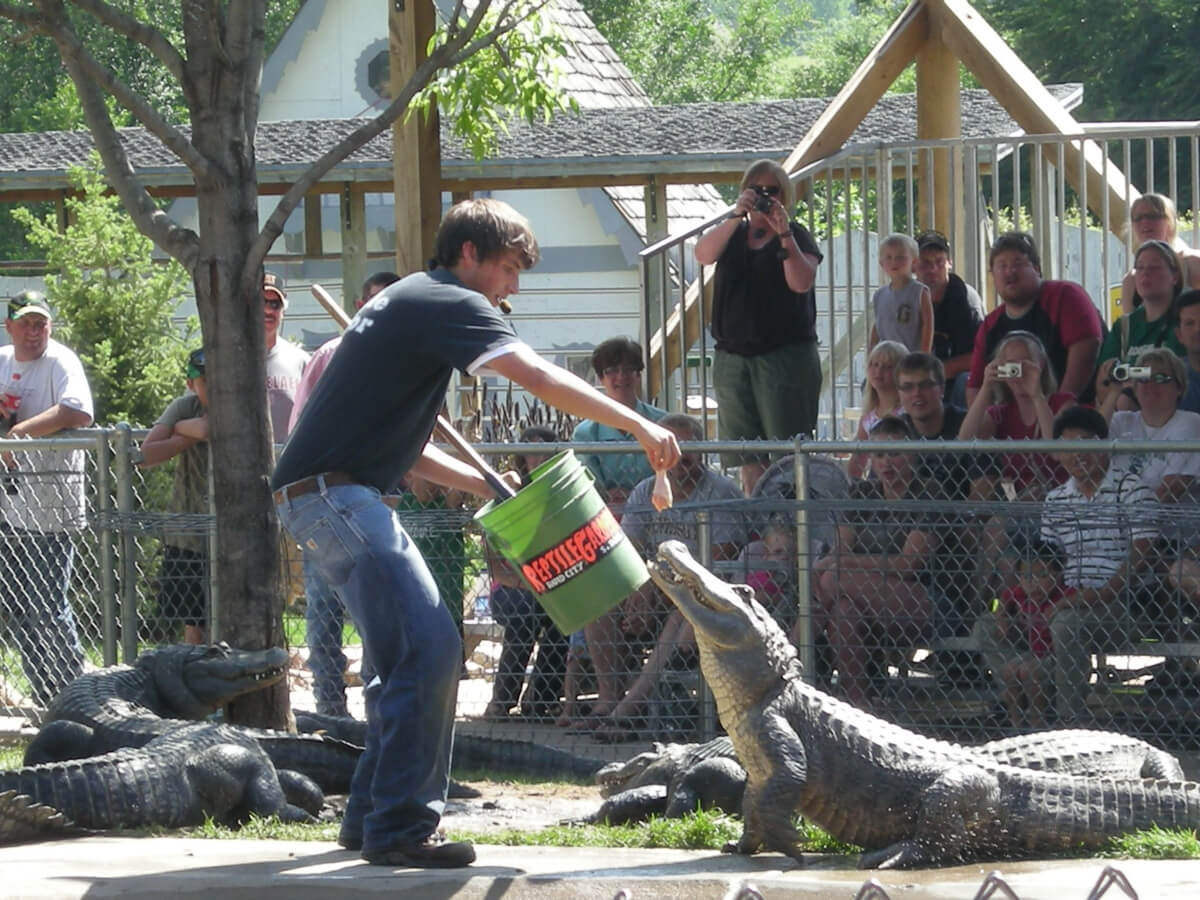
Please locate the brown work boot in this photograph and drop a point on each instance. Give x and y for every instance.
(435, 852)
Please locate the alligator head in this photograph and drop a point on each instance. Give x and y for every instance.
(194, 680)
(657, 766)
(743, 652)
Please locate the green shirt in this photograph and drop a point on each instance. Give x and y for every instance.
(1127, 341)
(438, 534)
(616, 470)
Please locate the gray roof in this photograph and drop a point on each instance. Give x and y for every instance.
(634, 141)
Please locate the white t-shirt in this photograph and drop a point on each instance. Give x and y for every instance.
(1153, 467)
(648, 527)
(49, 483)
(285, 365)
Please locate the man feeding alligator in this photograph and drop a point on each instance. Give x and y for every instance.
(367, 423)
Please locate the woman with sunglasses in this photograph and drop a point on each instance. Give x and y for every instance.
(1153, 218)
(766, 365)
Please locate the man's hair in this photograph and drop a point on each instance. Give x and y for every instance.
(899, 240)
(617, 351)
(1081, 418)
(1186, 299)
(787, 194)
(1020, 241)
(893, 426)
(1168, 360)
(492, 226)
(683, 421)
(922, 363)
(379, 280)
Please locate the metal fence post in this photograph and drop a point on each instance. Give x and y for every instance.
(803, 563)
(127, 561)
(704, 697)
(105, 537)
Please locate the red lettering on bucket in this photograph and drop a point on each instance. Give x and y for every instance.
(573, 555)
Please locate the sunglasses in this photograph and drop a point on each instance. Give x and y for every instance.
(1159, 378)
(273, 303)
(907, 387)
(766, 190)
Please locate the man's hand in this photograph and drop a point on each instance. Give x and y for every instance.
(662, 450)
(512, 478)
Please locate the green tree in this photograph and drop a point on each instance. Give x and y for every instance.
(838, 46)
(114, 303)
(681, 52)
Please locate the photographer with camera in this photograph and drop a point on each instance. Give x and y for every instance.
(1159, 281)
(766, 366)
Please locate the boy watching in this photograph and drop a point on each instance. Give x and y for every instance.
(903, 307)
(182, 430)
(1187, 331)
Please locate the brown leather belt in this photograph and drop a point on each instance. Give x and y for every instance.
(311, 485)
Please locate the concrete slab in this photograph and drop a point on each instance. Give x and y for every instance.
(258, 870)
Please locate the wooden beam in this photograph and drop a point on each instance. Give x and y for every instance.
(870, 81)
(314, 242)
(354, 242)
(939, 115)
(1019, 91)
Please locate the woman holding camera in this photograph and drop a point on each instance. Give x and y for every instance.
(766, 366)
(1159, 280)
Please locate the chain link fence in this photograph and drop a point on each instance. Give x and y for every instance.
(922, 592)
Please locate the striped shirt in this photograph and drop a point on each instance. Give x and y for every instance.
(1096, 532)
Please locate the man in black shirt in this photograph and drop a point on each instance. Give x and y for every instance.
(957, 313)
(366, 424)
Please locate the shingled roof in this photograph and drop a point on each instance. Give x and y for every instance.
(631, 142)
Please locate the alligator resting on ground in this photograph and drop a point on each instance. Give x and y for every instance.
(907, 799)
(180, 778)
(128, 706)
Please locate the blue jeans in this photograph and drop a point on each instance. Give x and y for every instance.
(323, 621)
(35, 572)
(357, 545)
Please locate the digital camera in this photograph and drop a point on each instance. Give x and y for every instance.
(763, 202)
(1126, 372)
(1008, 370)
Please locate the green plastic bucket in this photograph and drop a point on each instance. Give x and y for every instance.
(567, 545)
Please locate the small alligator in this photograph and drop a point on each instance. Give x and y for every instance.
(180, 778)
(672, 780)
(128, 706)
(907, 799)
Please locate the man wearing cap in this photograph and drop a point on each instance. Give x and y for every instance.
(43, 390)
(957, 313)
(182, 431)
(367, 423)
(285, 361)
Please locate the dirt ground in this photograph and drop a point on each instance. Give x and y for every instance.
(507, 804)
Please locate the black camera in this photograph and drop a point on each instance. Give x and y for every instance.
(763, 202)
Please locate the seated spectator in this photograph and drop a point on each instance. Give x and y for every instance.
(875, 583)
(1017, 649)
(957, 313)
(526, 624)
(1187, 309)
(770, 565)
(1153, 218)
(694, 487)
(903, 309)
(1102, 518)
(618, 365)
(1151, 325)
(881, 398)
(1013, 407)
(1060, 313)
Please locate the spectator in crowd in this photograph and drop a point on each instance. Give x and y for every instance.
(1152, 324)
(1014, 405)
(1060, 313)
(182, 432)
(957, 313)
(618, 366)
(770, 570)
(903, 308)
(1018, 648)
(920, 380)
(1153, 218)
(324, 617)
(1102, 518)
(44, 391)
(285, 361)
(694, 486)
(1187, 307)
(526, 623)
(766, 365)
(328, 487)
(876, 581)
(881, 398)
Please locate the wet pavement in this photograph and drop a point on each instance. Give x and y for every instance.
(181, 867)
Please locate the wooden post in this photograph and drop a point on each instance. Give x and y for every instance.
(938, 116)
(353, 209)
(416, 147)
(314, 243)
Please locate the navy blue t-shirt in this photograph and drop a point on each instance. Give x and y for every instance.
(374, 407)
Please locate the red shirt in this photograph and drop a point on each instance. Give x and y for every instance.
(1036, 616)
(1023, 469)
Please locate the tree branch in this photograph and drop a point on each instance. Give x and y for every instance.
(246, 31)
(146, 35)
